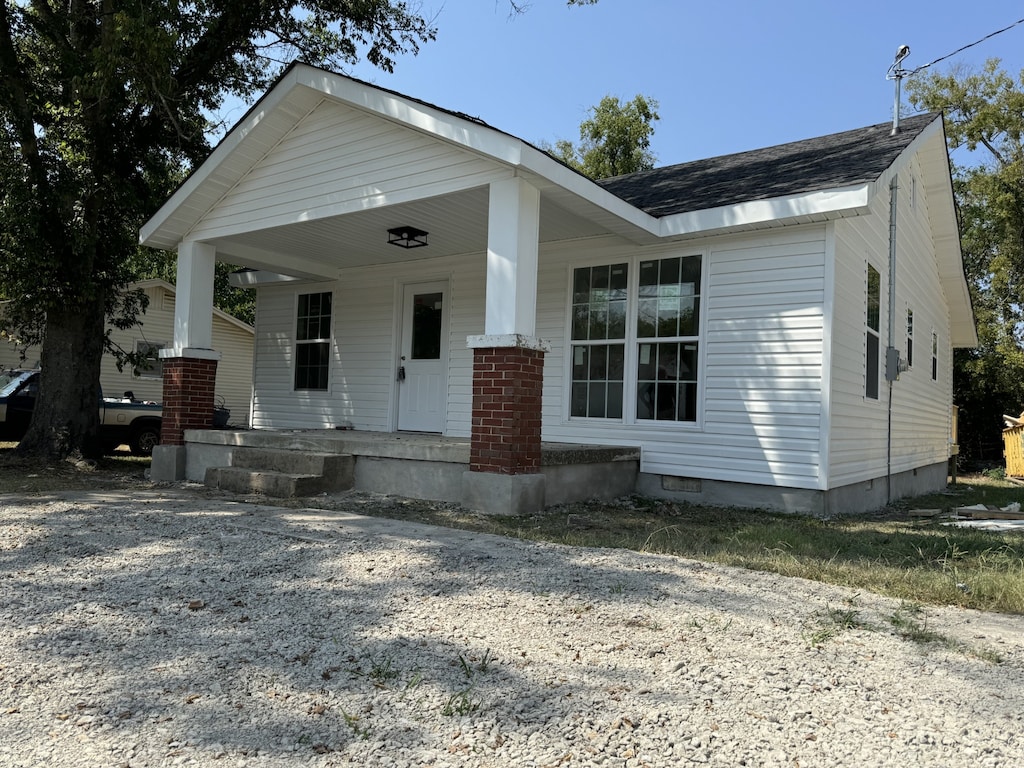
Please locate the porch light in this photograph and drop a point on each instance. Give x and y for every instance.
(407, 237)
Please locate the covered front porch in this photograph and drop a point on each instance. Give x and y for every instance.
(414, 465)
(351, 208)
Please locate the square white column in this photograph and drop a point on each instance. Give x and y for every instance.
(513, 234)
(193, 303)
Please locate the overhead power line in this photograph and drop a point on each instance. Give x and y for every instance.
(969, 45)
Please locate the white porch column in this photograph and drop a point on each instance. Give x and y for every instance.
(513, 232)
(190, 364)
(504, 474)
(193, 302)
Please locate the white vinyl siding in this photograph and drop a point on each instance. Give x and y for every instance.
(364, 353)
(339, 160)
(921, 406)
(759, 417)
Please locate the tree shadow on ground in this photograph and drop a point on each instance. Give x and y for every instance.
(189, 627)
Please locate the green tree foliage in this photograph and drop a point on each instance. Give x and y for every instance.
(102, 106)
(614, 139)
(984, 113)
(238, 302)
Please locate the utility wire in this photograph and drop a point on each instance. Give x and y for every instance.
(964, 48)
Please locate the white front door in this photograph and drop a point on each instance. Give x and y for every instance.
(423, 367)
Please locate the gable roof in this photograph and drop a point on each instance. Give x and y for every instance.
(839, 160)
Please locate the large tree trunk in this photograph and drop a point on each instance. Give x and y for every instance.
(66, 417)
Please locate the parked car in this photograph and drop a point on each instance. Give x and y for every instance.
(123, 420)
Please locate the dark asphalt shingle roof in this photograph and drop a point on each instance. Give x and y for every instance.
(826, 162)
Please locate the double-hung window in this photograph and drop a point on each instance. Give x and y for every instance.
(599, 296)
(635, 340)
(872, 328)
(667, 322)
(313, 341)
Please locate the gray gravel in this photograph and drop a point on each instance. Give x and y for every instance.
(167, 629)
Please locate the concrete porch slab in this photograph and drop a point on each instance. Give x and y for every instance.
(427, 466)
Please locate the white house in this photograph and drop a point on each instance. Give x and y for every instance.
(154, 331)
(773, 328)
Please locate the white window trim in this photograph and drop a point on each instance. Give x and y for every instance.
(296, 342)
(629, 394)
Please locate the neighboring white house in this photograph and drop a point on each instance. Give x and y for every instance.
(729, 317)
(154, 331)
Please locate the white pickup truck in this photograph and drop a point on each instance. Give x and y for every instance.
(123, 421)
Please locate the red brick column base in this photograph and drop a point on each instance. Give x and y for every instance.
(507, 387)
(188, 397)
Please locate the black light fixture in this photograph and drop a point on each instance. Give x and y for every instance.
(407, 237)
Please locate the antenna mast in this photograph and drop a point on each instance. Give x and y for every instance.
(897, 73)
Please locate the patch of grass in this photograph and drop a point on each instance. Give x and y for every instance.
(911, 624)
(27, 477)
(833, 621)
(460, 703)
(888, 553)
(353, 722)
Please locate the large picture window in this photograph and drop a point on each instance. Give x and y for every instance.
(661, 346)
(313, 341)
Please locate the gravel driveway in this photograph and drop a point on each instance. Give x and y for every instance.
(165, 629)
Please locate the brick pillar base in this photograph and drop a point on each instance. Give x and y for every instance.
(507, 387)
(188, 397)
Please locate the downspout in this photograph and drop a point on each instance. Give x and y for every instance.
(891, 353)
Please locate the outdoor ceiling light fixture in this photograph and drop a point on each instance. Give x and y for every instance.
(407, 237)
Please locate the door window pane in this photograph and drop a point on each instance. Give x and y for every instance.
(426, 326)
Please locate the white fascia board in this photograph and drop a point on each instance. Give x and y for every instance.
(413, 114)
(541, 164)
(853, 200)
(150, 233)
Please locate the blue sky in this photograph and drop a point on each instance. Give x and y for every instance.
(728, 76)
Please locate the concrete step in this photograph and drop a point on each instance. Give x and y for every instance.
(281, 485)
(293, 462)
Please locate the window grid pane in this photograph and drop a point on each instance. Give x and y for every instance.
(667, 381)
(874, 299)
(599, 303)
(314, 317)
(668, 303)
(597, 380)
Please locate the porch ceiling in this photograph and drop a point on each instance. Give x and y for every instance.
(456, 223)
